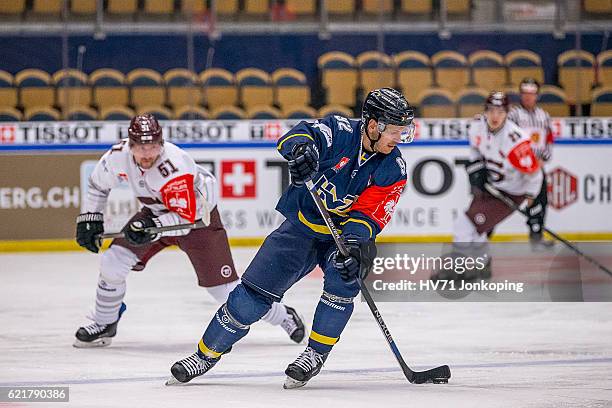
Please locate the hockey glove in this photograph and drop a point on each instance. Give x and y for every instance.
(304, 163)
(135, 231)
(89, 227)
(358, 263)
(477, 173)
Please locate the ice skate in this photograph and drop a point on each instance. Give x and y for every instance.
(97, 335)
(307, 365)
(190, 367)
(294, 325)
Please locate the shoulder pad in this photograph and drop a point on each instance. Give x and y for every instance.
(391, 170)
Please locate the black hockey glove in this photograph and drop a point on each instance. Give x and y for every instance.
(89, 227)
(135, 231)
(477, 173)
(304, 163)
(358, 263)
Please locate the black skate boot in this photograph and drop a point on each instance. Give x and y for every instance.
(307, 365)
(191, 367)
(538, 243)
(294, 325)
(97, 335)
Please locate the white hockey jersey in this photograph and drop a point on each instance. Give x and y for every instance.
(536, 123)
(175, 188)
(511, 164)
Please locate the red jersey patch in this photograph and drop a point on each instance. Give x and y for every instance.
(522, 158)
(378, 203)
(178, 196)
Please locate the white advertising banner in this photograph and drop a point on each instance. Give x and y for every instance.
(250, 181)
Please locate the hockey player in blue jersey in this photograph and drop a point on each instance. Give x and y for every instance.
(359, 174)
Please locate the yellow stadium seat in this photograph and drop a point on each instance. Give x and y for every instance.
(35, 88)
(227, 8)
(302, 7)
(554, 101)
(290, 88)
(598, 6)
(416, 6)
(108, 88)
(336, 110)
(436, 103)
(299, 112)
(263, 112)
(72, 88)
(255, 87)
(257, 8)
(48, 7)
(576, 81)
(159, 7)
(604, 68)
(41, 114)
(9, 114)
(523, 64)
(191, 113)
(458, 6)
(160, 112)
(488, 70)
(341, 7)
(338, 78)
(376, 6)
(183, 88)
(376, 70)
(228, 113)
(12, 7)
(450, 69)
(146, 88)
(414, 73)
(601, 104)
(8, 91)
(190, 7)
(471, 101)
(122, 7)
(77, 113)
(118, 112)
(218, 88)
(83, 7)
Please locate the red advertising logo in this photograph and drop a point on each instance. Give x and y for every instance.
(562, 188)
(272, 130)
(7, 134)
(238, 179)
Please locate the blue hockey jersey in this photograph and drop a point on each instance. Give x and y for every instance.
(359, 189)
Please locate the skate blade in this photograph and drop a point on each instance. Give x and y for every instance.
(172, 381)
(102, 342)
(291, 383)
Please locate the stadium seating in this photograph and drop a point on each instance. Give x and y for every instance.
(122, 8)
(227, 8)
(263, 112)
(108, 88)
(455, 7)
(8, 92)
(487, 69)
(257, 8)
(80, 113)
(159, 7)
(228, 113)
(48, 8)
(182, 88)
(376, 6)
(416, 7)
(601, 104)
(514, 95)
(335, 110)
(72, 89)
(341, 8)
(376, 70)
(290, 88)
(255, 87)
(116, 113)
(35, 88)
(218, 88)
(471, 101)
(83, 7)
(523, 64)
(338, 78)
(576, 75)
(191, 113)
(299, 112)
(41, 114)
(554, 101)
(436, 103)
(451, 71)
(604, 68)
(598, 6)
(146, 88)
(191, 7)
(302, 7)
(160, 112)
(9, 114)
(12, 8)
(414, 73)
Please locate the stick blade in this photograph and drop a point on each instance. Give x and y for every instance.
(438, 375)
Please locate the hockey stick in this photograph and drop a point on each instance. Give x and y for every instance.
(500, 196)
(158, 230)
(438, 375)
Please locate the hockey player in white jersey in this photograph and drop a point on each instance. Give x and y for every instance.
(501, 155)
(535, 121)
(173, 191)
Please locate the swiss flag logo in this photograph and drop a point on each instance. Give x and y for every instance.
(7, 134)
(238, 179)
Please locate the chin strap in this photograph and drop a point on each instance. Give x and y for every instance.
(372, 141)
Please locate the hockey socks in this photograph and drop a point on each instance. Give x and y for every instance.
(331, 316)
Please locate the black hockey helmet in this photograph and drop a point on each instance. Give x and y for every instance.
(497, 98)
(529, 85)
(388, 106)
(145, 129)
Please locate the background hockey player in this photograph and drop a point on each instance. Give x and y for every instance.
(173, 190)
(359, 174)
(535, 121)
(501, 155)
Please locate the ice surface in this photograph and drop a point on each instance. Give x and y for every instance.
(501, 354)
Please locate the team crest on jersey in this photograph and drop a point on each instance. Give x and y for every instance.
(178, 202)
(328, 193)
(341, 164)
